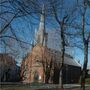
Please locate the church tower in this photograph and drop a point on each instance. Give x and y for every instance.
(39, 34)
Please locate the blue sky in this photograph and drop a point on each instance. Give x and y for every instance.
(28, 36)
(25, 28)
(79, 56)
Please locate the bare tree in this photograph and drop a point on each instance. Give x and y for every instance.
(62, 16)
(86, 41)
(10, 11)
(81, 35)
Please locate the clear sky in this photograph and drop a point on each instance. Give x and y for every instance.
(28, 36)
(25, 27)
(79, 56)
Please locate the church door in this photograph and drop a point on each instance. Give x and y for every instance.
(36, 76)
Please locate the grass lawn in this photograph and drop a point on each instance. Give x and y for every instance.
(88, 81)
(26, 88)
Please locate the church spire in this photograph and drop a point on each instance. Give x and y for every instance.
(42, 20)
(41, 29)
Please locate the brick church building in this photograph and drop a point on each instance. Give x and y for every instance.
(42, 64)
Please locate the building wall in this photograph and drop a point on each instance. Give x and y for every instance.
(32, 65)
(9, 71)
(71, 74)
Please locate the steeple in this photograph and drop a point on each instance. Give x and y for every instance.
(40, 33)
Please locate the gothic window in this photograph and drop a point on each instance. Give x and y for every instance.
(37, 59)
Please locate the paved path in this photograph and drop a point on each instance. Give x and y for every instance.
(87, 88)
(75, 87)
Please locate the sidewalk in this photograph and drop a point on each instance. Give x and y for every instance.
(74, 85)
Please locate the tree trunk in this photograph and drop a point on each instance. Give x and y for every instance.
(85, 44)
(62, 52)
(84, 66)
(47, 76)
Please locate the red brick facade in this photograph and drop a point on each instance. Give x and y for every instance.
(33, 65)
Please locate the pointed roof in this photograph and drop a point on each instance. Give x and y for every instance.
(39, 35)
(42, 20)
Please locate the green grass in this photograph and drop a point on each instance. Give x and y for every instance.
(23, 87)
(88, 81)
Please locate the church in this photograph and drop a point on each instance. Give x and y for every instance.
(42, 64)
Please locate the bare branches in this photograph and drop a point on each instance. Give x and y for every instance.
(88, 37)
(4, 28)
(55, 14)
(10, 11)
(4, 36)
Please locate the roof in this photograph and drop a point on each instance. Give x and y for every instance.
(68, 59)
(71, 61)
(88, 67)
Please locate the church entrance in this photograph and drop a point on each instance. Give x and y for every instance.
(36, 76)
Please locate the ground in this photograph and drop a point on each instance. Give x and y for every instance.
(41, 87)
(20, 88)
